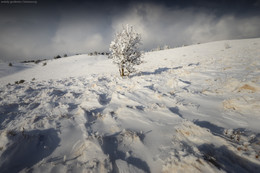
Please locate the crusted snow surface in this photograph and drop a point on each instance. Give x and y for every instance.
(189, 109)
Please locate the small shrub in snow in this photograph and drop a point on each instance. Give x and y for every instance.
(227, 46)
(156, 49)
(10, 64)
(57, 57)
(166, 47)
(65, 55)
(19, 82)
(124, 50)
(37, 61)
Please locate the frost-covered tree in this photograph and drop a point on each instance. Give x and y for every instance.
(124, 50)
(166, 47)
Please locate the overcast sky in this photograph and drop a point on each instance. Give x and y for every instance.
(47, 28)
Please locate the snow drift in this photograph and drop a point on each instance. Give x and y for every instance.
(189, 109)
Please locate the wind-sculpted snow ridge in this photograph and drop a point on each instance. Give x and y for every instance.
(192, 113)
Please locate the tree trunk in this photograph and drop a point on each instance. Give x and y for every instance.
(122, 72)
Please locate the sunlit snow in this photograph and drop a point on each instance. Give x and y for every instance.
(187, 109)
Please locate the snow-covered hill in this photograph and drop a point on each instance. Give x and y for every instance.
(189, 109)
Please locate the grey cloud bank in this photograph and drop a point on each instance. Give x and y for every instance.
(41, 33)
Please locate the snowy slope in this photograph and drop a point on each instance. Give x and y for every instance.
(74, 66)
(189, 109)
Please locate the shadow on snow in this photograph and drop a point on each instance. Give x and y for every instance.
(28, 148)
(157, 71)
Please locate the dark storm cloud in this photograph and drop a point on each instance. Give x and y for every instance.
(160, 25)
(49, 28)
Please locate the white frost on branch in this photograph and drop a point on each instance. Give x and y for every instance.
(124, 50)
